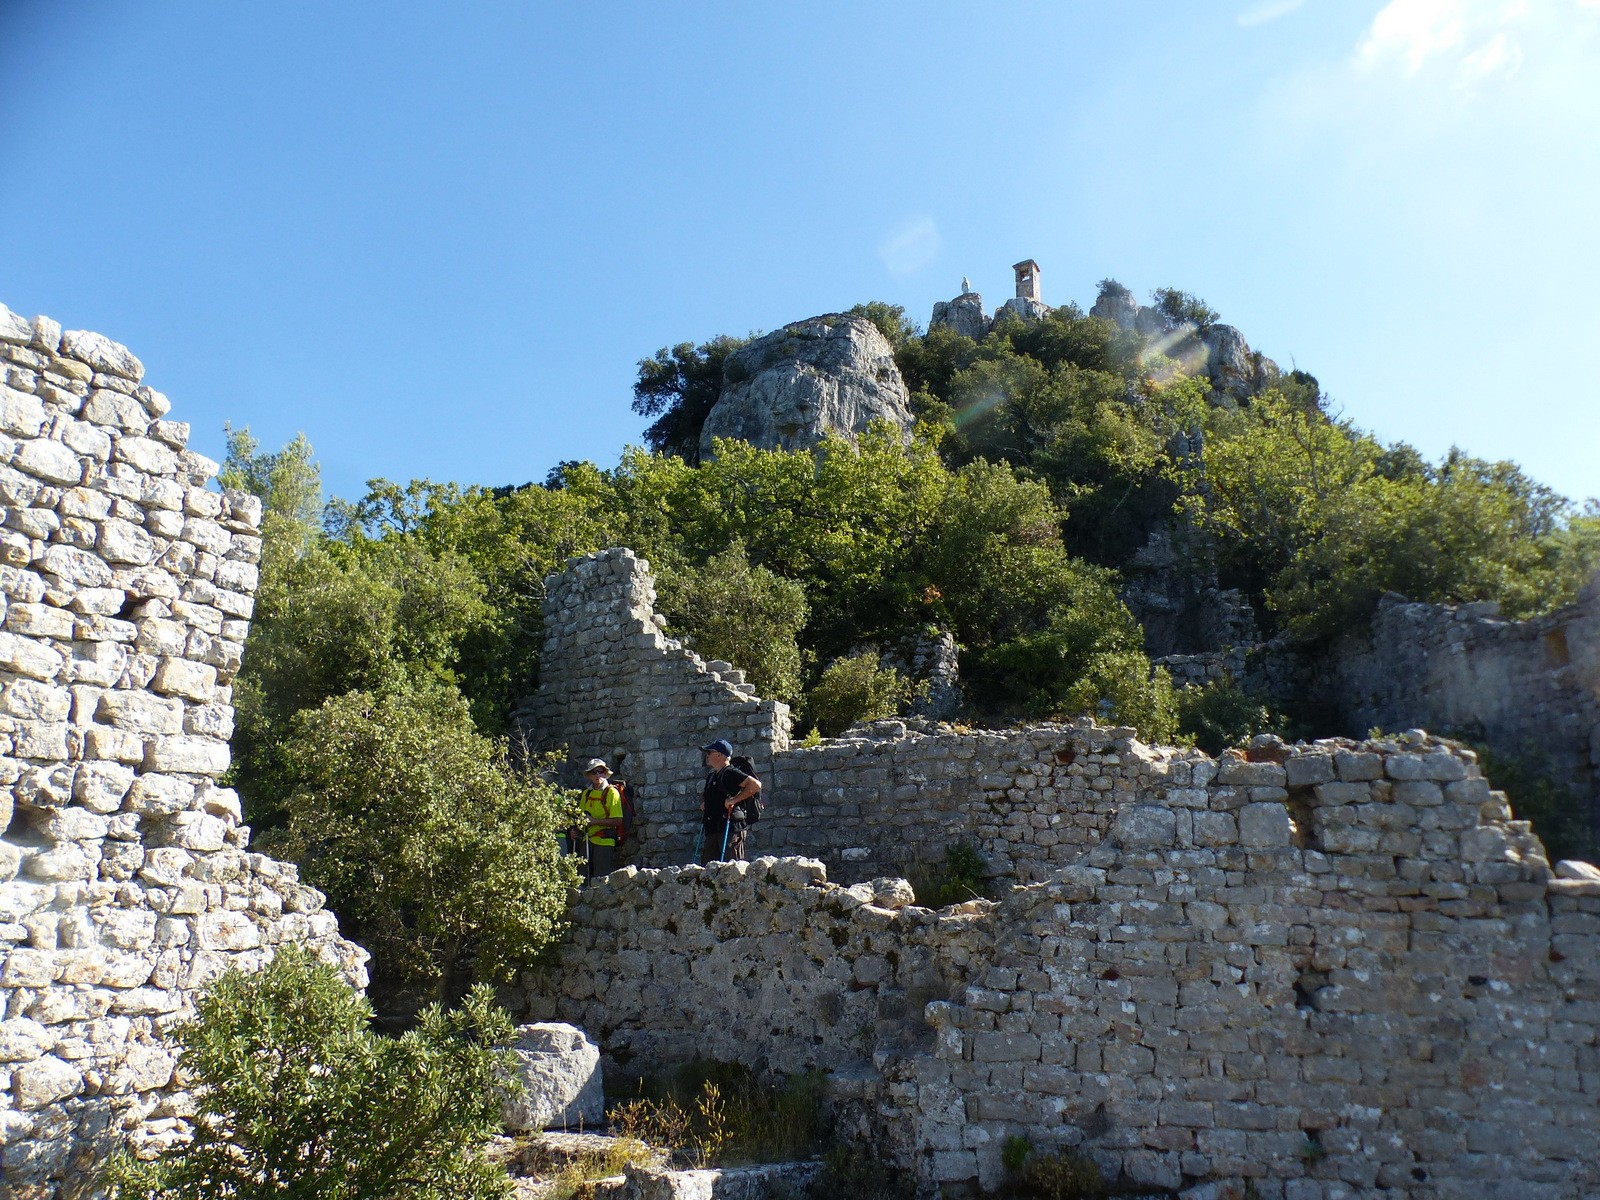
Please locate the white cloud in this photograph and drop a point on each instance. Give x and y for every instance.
(1271, 10)
(1465, 45)
(911, 246)
(1498, 56)
(1411, 32)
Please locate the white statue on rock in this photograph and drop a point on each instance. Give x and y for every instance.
(966, 286)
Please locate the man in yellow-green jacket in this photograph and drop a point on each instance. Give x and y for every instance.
(602, 804)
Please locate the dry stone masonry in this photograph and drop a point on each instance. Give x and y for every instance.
(1522, 687)
(1331, 971)
(126, 882)
(613, 685)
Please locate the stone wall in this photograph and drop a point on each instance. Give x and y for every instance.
(891, 800)
(885, 800)
(612, 685)
(126, 882)
(1520, 686)
(1334, 970)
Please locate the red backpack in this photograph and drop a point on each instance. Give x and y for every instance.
(630, 810)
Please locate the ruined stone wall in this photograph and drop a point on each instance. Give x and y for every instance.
(612, 685)
(1523, 687)
(1334, 970)
(125, 878)
(889, 802)
(884, 801)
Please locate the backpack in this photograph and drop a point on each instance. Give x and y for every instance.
(630, 810)
(751, 808)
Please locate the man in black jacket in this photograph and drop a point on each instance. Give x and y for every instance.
(722, 812)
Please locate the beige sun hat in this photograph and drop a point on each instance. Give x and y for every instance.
(596, 764)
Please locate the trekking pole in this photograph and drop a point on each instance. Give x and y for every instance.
(699, 845)
(727, 825)
(588, 854)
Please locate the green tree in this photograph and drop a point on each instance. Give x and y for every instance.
(1181, 308)
(1320, 520)
(678, 387)
(297, 1098)
(336, 618)
(436, 855)
(855, 688)
(747, 615)
(890, 319)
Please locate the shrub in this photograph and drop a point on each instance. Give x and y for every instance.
(442, 860)
(959, 878)
(856, 688)
(298, 1097)
(1222, 714)
(743, 614)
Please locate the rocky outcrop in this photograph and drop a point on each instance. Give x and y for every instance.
(1115, 303)
(126, 881)
(1219, 352)
(1023, 309)
(788, 390)
(964, 315)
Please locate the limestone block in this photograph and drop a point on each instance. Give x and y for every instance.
(14, 329)
(73, 825)
(191, 680)
(191, 831)
(147, 455)
(23, 1040)
(124, 542)
(101, 353)
(1145, 825)
(560, 1067)
(34, 701)
(1358, 766)
(187, 755)
(153, 794)
(103, 743)
(1239, 773)
(101, 786)
(23, 656)
(47, 459)
(44, 1081)
(106, 407)
(226, 931)
(86, 440)
(76, 566)
(144, 1067)
(140, 712)
(20, 413)
(1265, 825)
(1569, 868)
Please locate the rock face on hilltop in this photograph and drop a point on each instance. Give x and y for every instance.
(964, 315)
(1219, 352)
(787, 390)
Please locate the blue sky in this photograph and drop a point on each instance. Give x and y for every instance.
(437, 238)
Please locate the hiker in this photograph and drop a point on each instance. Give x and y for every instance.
(602, 804)
(725, 804)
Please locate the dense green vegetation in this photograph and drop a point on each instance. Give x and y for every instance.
(298, 1097)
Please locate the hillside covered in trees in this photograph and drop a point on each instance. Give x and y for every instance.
(394, 633)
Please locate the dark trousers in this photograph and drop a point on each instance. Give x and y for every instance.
(711, 847)
(600, 861)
